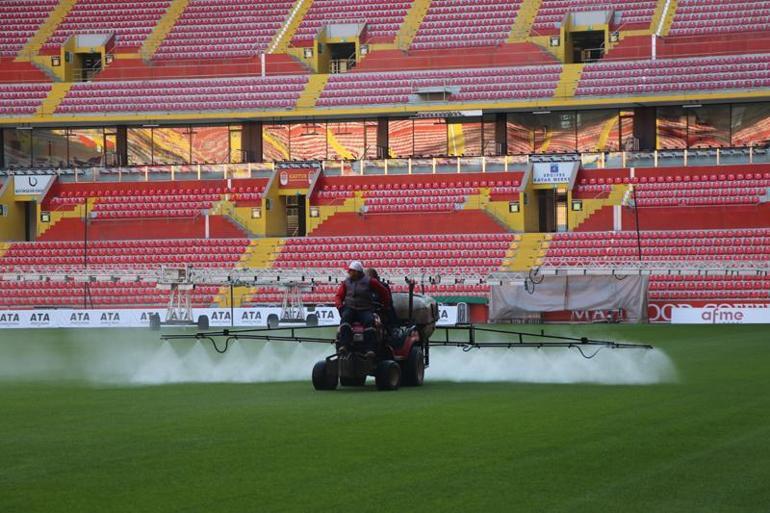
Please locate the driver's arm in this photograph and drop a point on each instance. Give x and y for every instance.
(339, 297)
(383, 292)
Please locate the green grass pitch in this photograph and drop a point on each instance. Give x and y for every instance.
(701, 444)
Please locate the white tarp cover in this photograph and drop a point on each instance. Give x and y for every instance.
(570, 293)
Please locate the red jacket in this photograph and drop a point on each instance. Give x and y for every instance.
(379, 288)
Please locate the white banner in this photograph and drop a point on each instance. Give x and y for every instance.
(552, 172)
(30, 184)
(125, 318)
(720, 315)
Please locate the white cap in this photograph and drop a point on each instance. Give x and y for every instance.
(356, 266)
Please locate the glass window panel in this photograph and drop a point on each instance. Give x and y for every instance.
(490, 138)
(210, 145)
(750, 124)
(598, 130)
(430, 137)
(87, 147)
(464, 139)
(171, 146)
(709, 126)
(17, 147)
(400, 138)
(308, 141)
(371, 139)
(49, 147)
(139, 146)
(347, 140)
(542, 133)
(519, 134)
(236, 146)
(275, 142)
(671, 128)
(627, 139)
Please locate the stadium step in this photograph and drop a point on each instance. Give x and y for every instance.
(522, 26)
(326, 211)
(411, 24)
(525, 252)
(162, 29)
(282, 38)
(260, 254)
(569, 79)
(46, 30)
(57, 215)
(661, 23)
(591, 206)
(58, 91)
(312, 91)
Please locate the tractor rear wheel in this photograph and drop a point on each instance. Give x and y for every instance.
(323, 378)
(414, 367)
(388, 375)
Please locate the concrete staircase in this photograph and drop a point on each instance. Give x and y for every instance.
(663, 17)
(411, 24)
(312, 91)
(591, 206)
(46, 30)
(283, 37)
(57, 215)
(260, 254)
(162, 29)
(525, 253)
(327, 211)
(58, 91)
(522, 25)
(568, 81)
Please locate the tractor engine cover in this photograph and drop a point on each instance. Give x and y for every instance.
(424, 312)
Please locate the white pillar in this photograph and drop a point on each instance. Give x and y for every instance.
(208, 228)
(654, 44)
(262, 63)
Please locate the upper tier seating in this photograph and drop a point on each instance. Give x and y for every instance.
(221, 29)
(472, 253)
(19, 20)
(674, 75)
(383, 18)
(455, 23)
(474, 85)
(637, 14)
(132, 254)
(130, 20)
(587, 248)
(696, 17)
(160, 199)
(272, 92)
(22, 99)
(710, 189)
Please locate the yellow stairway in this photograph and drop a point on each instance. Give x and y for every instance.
(163, 27)
(411, 23)
(312, 91)
(326, 211)
(46, 30)
(58, 91)
(522, 25)
(527, 252)
(260, 254)
(591, 206)
(568, 81)
(283, 37)
(667, 17)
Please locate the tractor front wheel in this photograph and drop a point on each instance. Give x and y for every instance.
(414, 367)
(323, 377)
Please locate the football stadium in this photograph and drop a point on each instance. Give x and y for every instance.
(384, 255)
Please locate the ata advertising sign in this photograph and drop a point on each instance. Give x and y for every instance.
(24, 185)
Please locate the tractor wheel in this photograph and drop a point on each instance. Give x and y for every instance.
(155, 322)
(414, 367)
(312, 320)
(273, 321)
(388, 375)
(353, 382)
(322, 379)
(203, 322)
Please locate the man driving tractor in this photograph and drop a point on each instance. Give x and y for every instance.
(355, 300)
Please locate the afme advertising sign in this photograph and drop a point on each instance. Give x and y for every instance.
(117, 318)
(720, 315)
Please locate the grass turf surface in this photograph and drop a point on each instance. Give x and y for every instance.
(699, 445)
